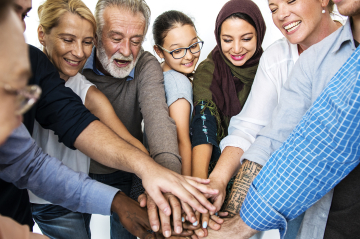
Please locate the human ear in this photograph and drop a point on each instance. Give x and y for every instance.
(41, 35)
(324, 3)
(158, 52)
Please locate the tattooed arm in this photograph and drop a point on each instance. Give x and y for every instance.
(243, 180)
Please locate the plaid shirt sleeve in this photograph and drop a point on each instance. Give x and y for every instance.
(318, 154)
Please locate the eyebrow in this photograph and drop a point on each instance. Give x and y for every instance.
(20, 8)
(178, 43)
(241, 35)
(68, 34)
(112, 32)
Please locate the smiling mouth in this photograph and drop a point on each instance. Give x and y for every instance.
(189, 64)
(121, 63)
(72, 63)
(292, 26)
(237, 57)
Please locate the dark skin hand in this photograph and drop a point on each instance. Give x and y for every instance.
(133, 217)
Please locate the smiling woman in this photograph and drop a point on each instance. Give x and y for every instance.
(67, 32)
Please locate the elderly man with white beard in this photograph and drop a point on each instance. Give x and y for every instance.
(132, 80)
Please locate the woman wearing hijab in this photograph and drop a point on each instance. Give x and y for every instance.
(223, 80)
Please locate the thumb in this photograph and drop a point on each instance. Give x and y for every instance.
(142, 200)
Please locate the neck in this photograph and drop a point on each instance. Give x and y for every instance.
(355, 27)
(325, 28)
(63, 76)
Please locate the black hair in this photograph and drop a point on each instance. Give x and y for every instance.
(167, 21)
(242, 16)
(4, 5)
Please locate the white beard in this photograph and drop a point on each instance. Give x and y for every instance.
(110, 66)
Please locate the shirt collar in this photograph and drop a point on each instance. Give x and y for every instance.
(345, 35)
(91, 64)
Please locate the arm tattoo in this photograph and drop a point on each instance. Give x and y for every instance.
(243, 180)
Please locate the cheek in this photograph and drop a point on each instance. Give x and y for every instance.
(135, 51)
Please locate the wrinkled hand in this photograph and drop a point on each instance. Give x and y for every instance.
(132, 216)
(177, 222)
(233, 227)
(189, 190)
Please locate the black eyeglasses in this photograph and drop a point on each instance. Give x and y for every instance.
(25, 97)
(181, 52)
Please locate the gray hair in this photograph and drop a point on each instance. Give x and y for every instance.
(134, 6)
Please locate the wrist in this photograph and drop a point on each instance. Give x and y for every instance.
(117, 201)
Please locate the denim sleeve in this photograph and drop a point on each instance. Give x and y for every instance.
(203, 128)
(24, 164)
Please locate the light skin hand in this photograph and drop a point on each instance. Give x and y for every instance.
(233, 227)
(176, 205)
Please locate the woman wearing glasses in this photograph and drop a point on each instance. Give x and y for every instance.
(66, 31)
(176, 41)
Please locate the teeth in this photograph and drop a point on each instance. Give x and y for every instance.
(292, 26)
(72, 62)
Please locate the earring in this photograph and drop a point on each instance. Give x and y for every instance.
(323, 11)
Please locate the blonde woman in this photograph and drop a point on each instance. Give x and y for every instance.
(67, 31)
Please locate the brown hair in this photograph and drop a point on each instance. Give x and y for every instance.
(4, 5)
(51, 11)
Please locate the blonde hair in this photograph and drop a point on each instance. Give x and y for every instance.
(133, 6)
(51, 11)
(330, 6)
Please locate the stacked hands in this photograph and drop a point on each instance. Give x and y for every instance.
(183, 211)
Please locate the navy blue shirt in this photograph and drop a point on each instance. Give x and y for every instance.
(58, 108)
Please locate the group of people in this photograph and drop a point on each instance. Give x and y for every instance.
(247, 141)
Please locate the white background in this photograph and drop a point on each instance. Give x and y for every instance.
(203, 13)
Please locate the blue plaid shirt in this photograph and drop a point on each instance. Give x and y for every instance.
(318, 154)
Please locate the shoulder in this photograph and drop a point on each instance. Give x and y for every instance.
(78, 83)
(147, 61)
(280, 51)
(176, 81)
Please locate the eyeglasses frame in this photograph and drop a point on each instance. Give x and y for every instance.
(186, 49)
(32, 98)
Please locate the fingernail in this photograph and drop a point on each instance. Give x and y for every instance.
(204, 224)
(195, 223)
(155, 228)
(182, 219)
(216, 213)
(178, 230)
(167, 234)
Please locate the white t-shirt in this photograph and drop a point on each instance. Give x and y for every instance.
(48, 141)
(275, 66)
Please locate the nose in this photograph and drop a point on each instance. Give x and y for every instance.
(78, 50)
(125, 47)
(283, 12)
(188, 55)
(237, 48)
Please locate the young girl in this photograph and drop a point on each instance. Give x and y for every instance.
(176, 42)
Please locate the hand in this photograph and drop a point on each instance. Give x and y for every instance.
(146, 200)
(217, 199)
(160, 180)
(213, 221)
(37, 236)
(132, 216)
(233, 227)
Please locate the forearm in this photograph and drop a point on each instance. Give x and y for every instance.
(201, 155)
(243, 180)
(227, 165)
(185, 153)
(103, 145)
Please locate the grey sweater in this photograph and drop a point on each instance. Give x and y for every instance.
(138, 99)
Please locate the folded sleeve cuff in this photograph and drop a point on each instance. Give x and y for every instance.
(100, 200)
(234, 141)
(261, 216)
(256, 155)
